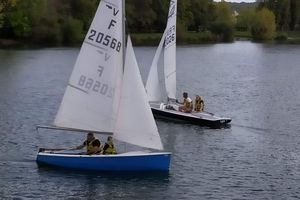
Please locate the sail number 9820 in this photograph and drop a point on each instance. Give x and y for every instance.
(104, 39)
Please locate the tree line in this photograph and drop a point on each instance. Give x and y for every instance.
(65, 22)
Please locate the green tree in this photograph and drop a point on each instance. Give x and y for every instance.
(140, 15)
(72, 31)
(295, 14)
(287, 12)
(184, 15)
(201, 11)
(223, 25)
(263, 27)
(160, 7)
(84, 10)
(24, 15)
(48, 27)
(5, 6)
(244, 19)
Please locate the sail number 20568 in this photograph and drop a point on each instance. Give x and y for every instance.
(104, 39)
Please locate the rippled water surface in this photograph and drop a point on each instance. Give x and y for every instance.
(257, 85)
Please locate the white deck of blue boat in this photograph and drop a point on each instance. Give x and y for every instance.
(71, 153)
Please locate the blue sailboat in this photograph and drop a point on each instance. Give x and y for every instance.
(105, 94)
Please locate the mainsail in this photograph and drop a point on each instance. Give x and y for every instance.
(170, 51)
(91, 98)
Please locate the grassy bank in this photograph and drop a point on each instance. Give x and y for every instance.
(290, 37)
(152, 39)
(293, 37)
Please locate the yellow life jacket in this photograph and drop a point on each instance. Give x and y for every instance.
(110, 150)
(90, 147)
(199, 104)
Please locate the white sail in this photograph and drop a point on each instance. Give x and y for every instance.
(170, 51)
(91, 98)
(152, 85)
(135, 124)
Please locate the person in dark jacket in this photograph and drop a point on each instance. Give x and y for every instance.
(109, 147)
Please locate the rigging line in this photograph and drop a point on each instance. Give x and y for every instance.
(77, 88)
(170, 74)
(95, 45)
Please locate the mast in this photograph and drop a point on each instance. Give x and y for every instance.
(123, 32)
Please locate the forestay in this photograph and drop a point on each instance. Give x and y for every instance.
(92, 96)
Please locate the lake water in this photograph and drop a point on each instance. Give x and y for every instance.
(257, 85)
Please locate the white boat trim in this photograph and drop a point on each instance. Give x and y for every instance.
(127, 154)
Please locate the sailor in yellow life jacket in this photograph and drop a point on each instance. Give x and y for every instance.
(92, 144)
(199, 104)
(109, 147)
(187, 106)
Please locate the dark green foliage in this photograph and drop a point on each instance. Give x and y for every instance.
(72, 31)
(224, 22)
(140, 15)
(83, 11)
(281, 37)
(263, 27)
(223, 30)
(48, 32)
(287, 13)
(65, 22)
(244, 19)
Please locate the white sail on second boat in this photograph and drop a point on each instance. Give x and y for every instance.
(170, 109)
(168, 45)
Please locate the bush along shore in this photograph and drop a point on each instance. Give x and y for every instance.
(65, 23)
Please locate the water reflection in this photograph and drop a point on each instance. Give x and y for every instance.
(108, 185)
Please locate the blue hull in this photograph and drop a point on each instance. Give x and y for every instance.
(119, 162)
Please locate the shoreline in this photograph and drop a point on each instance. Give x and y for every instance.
(145, 39)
